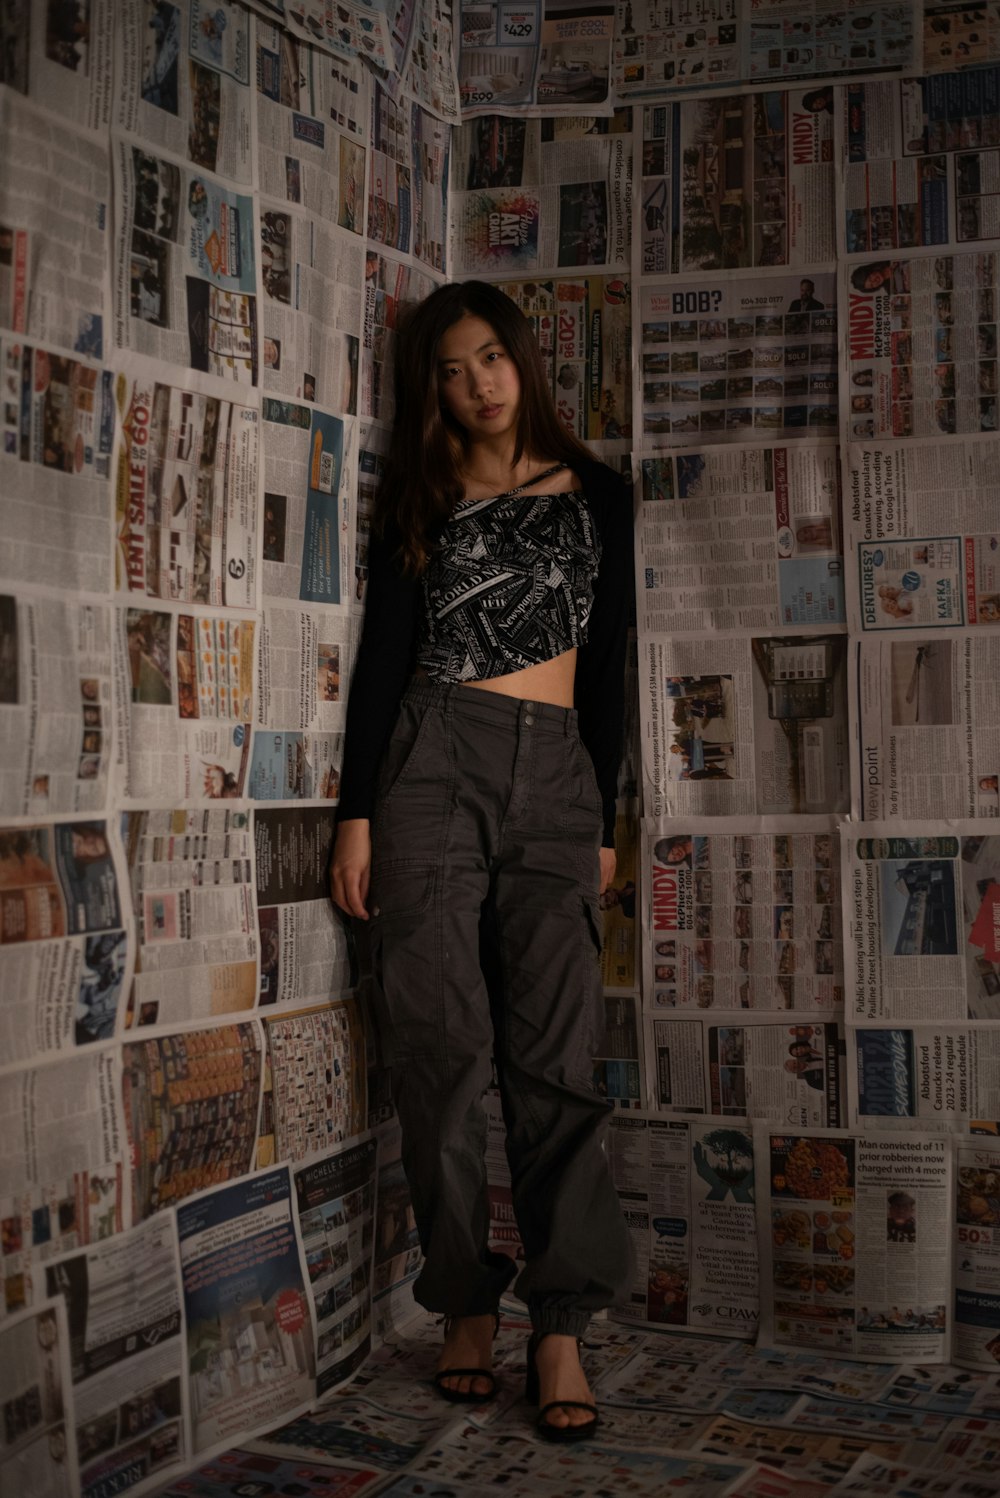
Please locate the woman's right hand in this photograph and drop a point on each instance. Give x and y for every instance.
(350, 867)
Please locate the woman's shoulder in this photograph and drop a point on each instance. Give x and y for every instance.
(608, 493)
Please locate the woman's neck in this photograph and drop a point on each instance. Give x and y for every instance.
(487, 467)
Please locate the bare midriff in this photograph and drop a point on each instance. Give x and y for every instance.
(549, 681)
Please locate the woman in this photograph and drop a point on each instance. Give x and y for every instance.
(500, 573)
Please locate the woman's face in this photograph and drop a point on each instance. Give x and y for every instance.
(478, 382)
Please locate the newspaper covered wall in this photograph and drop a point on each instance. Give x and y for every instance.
(758, 250)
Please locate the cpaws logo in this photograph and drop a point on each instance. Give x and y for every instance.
(703, 1310)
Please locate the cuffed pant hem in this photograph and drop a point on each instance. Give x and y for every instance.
(560, 1321)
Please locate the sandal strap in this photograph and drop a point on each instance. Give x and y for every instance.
(567, 1404)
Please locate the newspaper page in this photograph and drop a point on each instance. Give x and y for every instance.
(352, 28)
(583, 329)
(742, 914)
(430, 74)
(311, 116)
(182, 75)
(687, 1193)
(740, 180)
(922, 342)
(373, 442)
(37, 1450)
(854, 1244)
(733, 726)
(308, 475)
(577, 170)
(62, 1171)
(191, 875)
(58, 430)
(186, 281)
(389, 285)
(731, 364)
(929, 716)
(548, 54)
(660, 47)
(186, 479)
(397, 1256)
(315, 1097)
(892, 1478)
(408, 186)
(64, 938)
(976, 1250)
(310, 319)
(191, 1105)
(303, 944)
(923, 922)
(298, 742)
(335, 1202)
(250, 1351)
(906, 185)
(184, 704)
(54, 283)
(902, 572)
(785, 1073)
(959, 36)
(123, 1304)
(619, 1067)
(739, 538)
(69, 58)
(55, 706)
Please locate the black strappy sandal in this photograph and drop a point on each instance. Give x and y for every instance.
(467, 1396)
(543, 1424)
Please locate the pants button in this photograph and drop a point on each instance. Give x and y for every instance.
(528, 720)
(529, 707)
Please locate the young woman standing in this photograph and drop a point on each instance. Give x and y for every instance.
(476, 829)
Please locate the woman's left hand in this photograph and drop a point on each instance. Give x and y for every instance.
(607, 868)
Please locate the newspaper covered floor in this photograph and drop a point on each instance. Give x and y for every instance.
(678, 1413)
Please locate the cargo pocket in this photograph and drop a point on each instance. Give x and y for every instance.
(596, 1010)
(405, 961)
(400, 755)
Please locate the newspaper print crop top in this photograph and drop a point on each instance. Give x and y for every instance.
(510, 584)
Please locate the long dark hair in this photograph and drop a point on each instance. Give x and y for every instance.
(422, 482)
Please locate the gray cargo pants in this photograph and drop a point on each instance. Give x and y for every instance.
(485, 939)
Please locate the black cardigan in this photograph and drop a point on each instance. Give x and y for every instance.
(385, 654)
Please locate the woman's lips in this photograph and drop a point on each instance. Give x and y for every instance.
(486, 413)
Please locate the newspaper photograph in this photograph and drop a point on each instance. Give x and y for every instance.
(922, 345)
(250, 1353)
(315, 1093)
(303, 943)
(687, 1194)
(123, 1305)
(62, 1171)
(735, 726)
(186, 474)
(185, 284)
(55, 706)
(191, 1103)
(308, 478)
(667, 46)
(775, 510)
(918, 172)
(64, 942)
(312, 125)
(924, 922)
(902, 573)
(335, 1202)
(741, 915)
(184, 704)
(191, 877)
(738, 180)
(552, 54)
(310, 316)
(729, 367)
(784, 1073)
(55, 245)
(37, 1445)
(917, 696)
(922, 1072)
(854, 1244)
(58, 428)
(580, 169)
(976, 1251)
(583, 330)
(958, 36)
(182, 75)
